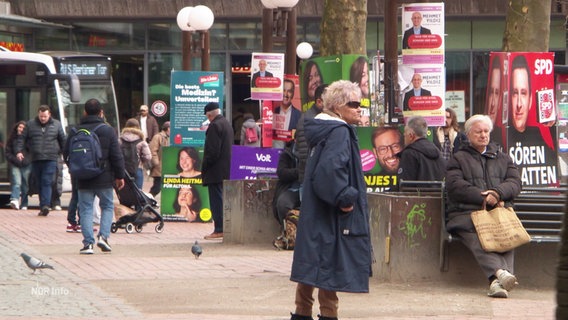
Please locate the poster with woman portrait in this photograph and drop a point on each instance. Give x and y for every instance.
(184, 198)
(325, 70)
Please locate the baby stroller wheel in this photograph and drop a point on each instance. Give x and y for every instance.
(129, 227)
(113, 227)
(138, 228)
(160, 227)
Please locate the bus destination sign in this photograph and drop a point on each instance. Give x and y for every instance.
(86, 69)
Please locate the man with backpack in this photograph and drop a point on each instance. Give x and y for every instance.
(100, 185)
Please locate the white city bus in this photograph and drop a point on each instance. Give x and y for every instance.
(62, 80)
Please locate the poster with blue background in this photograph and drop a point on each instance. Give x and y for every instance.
(190, 92)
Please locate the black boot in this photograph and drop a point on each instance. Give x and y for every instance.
(326, 318)
(299, 317)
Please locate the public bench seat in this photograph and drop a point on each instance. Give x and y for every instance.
(540, 209)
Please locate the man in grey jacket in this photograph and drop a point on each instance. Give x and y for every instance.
(45, 138)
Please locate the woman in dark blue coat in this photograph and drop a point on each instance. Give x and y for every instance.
(333, 247)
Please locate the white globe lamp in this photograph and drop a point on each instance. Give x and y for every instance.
(183, 19)
(304, 50)
(201, 18)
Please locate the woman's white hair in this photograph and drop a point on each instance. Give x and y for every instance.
(337, 94)
(478, 118)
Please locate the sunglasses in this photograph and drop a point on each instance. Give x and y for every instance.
(353, 104)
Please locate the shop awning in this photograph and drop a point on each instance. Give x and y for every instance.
(21, 21)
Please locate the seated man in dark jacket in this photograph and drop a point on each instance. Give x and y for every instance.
(287, 195)
(420, 159)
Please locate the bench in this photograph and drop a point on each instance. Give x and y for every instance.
(540, 209)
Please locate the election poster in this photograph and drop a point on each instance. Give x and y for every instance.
(424, 80)
(378, 147)
(267, 77)
(251, 163)
(184, 198)
(426, 94)
(190, 92)
(286, 113)
(325, 70)
(531, 116)
(423, 33)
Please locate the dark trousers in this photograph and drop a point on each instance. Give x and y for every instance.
(286, 201)
(44, 171)
(156, 186)
(489, 262)
(73, 203)
(216, 202)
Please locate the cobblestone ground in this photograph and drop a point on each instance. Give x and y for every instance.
(154, 276)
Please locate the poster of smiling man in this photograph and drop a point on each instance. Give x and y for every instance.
(531, 133)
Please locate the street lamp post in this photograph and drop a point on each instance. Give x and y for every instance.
(195, 19)
(279, 19)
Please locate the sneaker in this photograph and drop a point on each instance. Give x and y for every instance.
(57, 208)
(14, 204)
(103, 244)
(24, 208)
(44, 212)
(88, 249)
(507, 280)
(496, 290)
(71, 227)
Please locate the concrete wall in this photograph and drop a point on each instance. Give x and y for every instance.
(405, 236)
(248, 217)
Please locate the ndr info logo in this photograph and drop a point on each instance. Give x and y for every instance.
(49, 291)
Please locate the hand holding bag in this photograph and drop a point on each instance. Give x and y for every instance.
(499, 230)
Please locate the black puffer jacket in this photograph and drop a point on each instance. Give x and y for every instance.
(421, 161)
(44, 142)
(302, 148)
(11, 146)
(112, 155)
(470, 172)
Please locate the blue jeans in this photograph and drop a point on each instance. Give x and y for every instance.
(19, 179)
(216, 203)
(86, 198)
(44, 171)
(139, 179)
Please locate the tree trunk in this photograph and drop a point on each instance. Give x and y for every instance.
(528, 26)
(343, 27)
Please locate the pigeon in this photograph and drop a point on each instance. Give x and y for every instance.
(34, 263)
(196, 250)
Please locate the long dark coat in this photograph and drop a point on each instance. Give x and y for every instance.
(217, 151)
(333, 248)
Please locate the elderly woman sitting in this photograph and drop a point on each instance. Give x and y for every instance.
(480, 171)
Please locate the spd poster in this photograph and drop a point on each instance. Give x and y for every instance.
(529, 107)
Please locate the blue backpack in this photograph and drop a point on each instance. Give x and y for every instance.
(85, 154)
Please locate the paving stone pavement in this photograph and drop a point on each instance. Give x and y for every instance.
(154, 276)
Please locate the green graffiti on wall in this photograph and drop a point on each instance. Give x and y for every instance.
(413, 227)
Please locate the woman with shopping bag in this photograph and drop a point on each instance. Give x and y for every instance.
(479, 172)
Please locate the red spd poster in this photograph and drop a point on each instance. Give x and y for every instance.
(529, 114)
